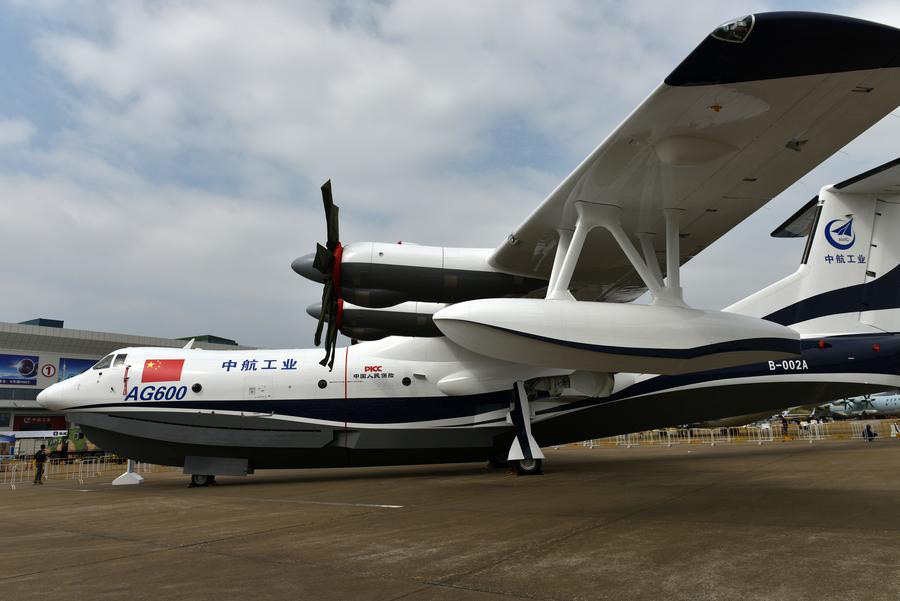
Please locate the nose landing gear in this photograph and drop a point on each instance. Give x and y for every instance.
(202, 480)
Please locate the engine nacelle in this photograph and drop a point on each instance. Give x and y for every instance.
(377, 275)
(405, 319)
(611, 337)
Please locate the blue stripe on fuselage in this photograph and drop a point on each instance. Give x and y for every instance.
(834, 358)
(363, 410)
(880, 293)
(842, 354)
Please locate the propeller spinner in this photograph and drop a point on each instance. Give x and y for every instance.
(327, 261)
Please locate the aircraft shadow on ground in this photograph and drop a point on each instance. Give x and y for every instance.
(561, 463)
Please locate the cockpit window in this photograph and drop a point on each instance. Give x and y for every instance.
(103, 363)
(735, 31)
(120, 360)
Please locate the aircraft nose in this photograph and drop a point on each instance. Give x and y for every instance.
(304, 266)
(54, 398)
(49, 398)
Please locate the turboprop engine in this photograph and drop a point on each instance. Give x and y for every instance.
(612, 337)
(378, 275)
(405, 319)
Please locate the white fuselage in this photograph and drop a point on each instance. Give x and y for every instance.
(413, 400)
(393, 368)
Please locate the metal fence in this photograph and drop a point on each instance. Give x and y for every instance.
(17, 472)
(765, 433)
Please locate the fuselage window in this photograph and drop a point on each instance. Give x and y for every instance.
(103, 363)
(120, 360)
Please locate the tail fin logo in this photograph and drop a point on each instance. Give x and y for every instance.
(840, 236)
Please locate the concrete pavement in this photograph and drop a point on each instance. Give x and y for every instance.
(779, 521)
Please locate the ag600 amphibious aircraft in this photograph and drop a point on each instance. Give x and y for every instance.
(489, 354)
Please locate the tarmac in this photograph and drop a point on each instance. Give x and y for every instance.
(778, 521)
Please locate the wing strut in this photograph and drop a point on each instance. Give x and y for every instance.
(591, 215)
(673, 253)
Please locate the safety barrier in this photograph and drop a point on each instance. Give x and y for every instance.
(812, 431)
(759, 434)
(17, 472)
(859, 429)
(667, 437)
(13, 473)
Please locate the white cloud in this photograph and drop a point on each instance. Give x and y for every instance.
(15, 131)
(182, 176)
(387, 90)
(880, 12)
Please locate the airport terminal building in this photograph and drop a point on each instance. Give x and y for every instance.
(40, 352)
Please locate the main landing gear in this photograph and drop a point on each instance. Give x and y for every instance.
(525, 457)
(519, 467)
(202, 480)
(527, 467)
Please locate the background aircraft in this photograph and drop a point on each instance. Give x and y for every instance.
(883, 404)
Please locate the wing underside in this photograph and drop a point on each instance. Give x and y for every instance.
(733, 126)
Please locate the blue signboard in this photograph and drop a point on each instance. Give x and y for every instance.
(18, 369)
(72, 367)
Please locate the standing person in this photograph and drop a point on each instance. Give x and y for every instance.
(869, 433)
(784, 428)
(40, 458)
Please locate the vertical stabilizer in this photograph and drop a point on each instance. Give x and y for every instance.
(848, 281)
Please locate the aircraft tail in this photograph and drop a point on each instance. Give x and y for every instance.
(849, 278)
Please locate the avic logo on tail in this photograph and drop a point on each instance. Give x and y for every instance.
(842, 236)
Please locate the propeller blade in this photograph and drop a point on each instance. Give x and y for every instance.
(332, 315)
(324, 313)
(333, 343)
(324, 260)
(327, 199)
(327, 262)
(324, 361)
(334, 237)
(331, 217)
(330, 344)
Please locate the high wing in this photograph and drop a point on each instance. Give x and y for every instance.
(759, 103)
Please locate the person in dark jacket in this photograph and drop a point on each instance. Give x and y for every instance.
(869, 433)
(40, 458)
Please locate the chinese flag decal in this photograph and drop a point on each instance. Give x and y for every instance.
(162, 370)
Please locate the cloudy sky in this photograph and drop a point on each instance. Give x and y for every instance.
(160, 161)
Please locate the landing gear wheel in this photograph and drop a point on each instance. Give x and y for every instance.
(527, 467)
(202, 480)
